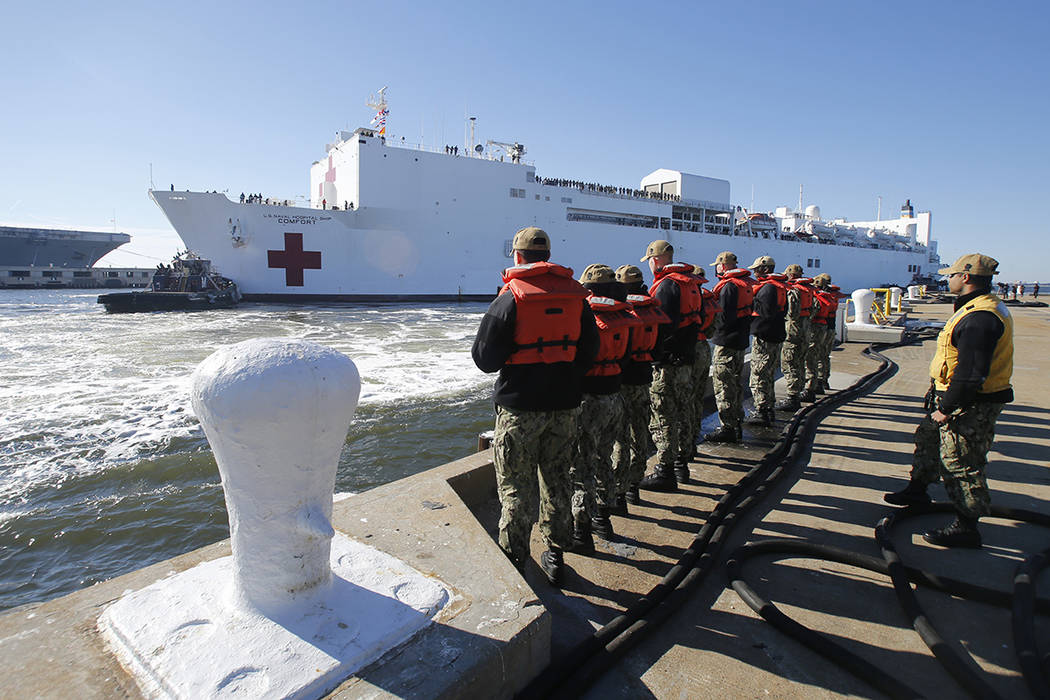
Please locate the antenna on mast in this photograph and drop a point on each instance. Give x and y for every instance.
(378, 103)
(800, 199)
(878, 211)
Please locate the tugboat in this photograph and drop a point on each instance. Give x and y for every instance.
(188, 284)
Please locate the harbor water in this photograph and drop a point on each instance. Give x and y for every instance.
(103, 467)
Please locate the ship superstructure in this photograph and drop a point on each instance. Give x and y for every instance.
(390, 222)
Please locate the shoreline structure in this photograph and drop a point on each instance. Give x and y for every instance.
(499, 632)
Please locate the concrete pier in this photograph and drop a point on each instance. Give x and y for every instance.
(501, 629)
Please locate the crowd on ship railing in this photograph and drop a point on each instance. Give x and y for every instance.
(608, 189)
(259, 199)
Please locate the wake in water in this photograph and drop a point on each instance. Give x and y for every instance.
(103, 465)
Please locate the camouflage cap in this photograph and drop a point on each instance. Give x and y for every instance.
(597, 273)
(699, 272)
(628, 274)
(762, 261)
(794, 269)
(972, 264)
(725, 258)
(822, 280)
(657, 247)
(531, 238)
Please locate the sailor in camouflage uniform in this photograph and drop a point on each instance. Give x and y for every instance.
(731, 338)
(671, 391)
(796, 342)
(537, 395)
(970, 384)
(768, 333)
(823, 332)
(602, 410)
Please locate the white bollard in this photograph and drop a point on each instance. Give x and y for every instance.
(914, 292)
(895, 297)
(297, 608)
(276, 413)
(862, 300)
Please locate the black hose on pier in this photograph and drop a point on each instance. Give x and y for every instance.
(576, 670)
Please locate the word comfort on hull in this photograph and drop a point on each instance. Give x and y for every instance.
(391, 222)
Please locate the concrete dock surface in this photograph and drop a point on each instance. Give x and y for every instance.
(716, 646)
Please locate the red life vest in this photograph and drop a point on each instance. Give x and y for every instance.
(805, 294)
(548, 305)
(689, 298)
(614, 334)
(708, 311)
(778, 281)
(649, 317)
(829, 303)
(745, 296)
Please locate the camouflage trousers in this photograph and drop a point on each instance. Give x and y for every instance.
(728, 365)
(670, 391)
(593, 479)
(818, 371)
(701, 375)
(956, 452)
(632, 449)
(793, 358)
(765, 361)
(533, 452)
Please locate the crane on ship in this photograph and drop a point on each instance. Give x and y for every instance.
(514, 150)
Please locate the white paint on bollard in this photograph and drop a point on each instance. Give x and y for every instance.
(294, 611)
(862, 300)
(914, 292)
(895, 297)
(276, 415)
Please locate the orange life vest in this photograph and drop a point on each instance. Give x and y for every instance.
(779, 282)
(643, 336)
(614, 334)
(548, 303)
(745, 296)
(689, 298)
(829, 303)
(805, 294)
(708, 311)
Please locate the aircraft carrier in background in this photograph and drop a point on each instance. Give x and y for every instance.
(57, 258)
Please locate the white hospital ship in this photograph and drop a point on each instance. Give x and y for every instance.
(389, 222)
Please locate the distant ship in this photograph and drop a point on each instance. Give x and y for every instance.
(389, 222)
(41, 247)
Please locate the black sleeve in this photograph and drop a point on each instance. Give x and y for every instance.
(669, 297)
(587, 347)
(974, 337)
(727, 300)
(494, 341)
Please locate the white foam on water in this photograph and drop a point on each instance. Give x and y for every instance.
(85, 391)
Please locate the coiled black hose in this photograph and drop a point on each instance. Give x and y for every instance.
(575, 671)
(962, 667)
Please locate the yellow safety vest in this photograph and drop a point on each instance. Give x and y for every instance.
(947, 358)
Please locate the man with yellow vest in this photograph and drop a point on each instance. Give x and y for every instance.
(970, 383)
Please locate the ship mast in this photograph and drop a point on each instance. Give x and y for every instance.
(378, 103)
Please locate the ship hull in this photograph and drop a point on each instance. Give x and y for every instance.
(373, 254)
(30, 247)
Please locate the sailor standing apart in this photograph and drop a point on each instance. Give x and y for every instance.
(731, 338)
(671, 391)
(540, 335)
(768, 333)
(796, 341)
(970, 384)
(601, 413)
(632, 449)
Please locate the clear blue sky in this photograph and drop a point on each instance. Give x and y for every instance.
(945, 103)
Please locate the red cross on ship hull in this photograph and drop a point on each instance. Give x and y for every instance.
(294, 259)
